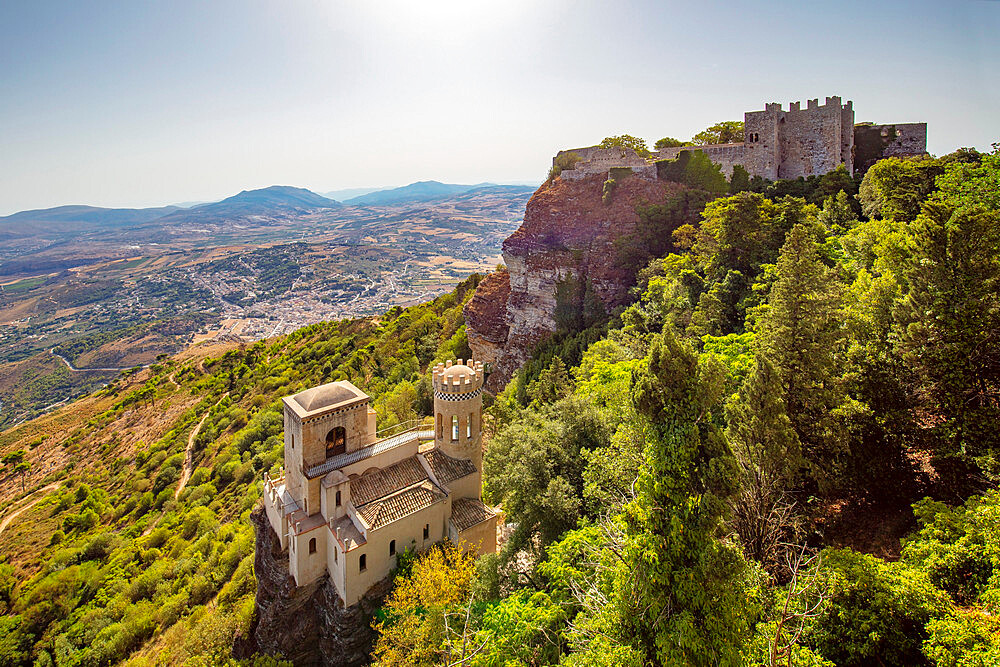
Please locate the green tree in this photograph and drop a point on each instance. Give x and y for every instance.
(769, 456)
(669, 142)
(415, 631)
(967, 183)
(726, 132)
(687, 608)
(948, 324)
(801, 334)
(626, 141)
(739, 181)
(534, 467)
(897, 187)
(877, 612)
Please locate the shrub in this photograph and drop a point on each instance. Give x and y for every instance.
(877, 611)
(562, 162)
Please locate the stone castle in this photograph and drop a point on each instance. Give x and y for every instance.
(779, 144)
(348, 503)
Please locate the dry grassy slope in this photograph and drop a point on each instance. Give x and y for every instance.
(45, 438)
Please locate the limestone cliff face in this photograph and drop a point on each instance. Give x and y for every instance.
(308, 625)
(568, 231)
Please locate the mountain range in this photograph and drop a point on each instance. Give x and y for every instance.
(274, 200)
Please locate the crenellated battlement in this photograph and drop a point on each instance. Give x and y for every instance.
(777, 144)
(458, 378)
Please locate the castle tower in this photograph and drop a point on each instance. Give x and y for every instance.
(458, 410)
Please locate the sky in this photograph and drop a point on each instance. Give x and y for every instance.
(134, 104)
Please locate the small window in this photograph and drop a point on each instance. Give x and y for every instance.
(312, 545)
(427, 530)
(293, 442)
(362, 563)
(440, 427)
(335, 550)
(468, 427)
(392, 548)
(454, 427)
(336, 441)
(338, 498)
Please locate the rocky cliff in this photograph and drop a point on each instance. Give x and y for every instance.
(568, 232)
(308, 625)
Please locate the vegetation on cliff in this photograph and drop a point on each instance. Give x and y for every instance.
(722, 473)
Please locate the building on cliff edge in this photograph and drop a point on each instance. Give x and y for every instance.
(779, 144)
(348, 503)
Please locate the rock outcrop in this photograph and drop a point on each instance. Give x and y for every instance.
(568, 232)
(308, 625)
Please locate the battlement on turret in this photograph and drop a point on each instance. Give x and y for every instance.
(458, 378)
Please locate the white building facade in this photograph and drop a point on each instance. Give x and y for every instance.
(348, 503)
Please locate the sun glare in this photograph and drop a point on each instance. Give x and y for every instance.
(444, 20)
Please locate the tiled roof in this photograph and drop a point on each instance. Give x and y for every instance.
(447, 469)
(380, 483)
(381, 512)
(467, 512)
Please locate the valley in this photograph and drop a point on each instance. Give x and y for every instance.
(122, 295)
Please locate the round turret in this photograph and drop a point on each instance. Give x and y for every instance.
(458, 407)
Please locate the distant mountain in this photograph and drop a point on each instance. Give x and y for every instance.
(348, 193)
(76, 219)
(281, 196)
(414, 192)
(277, 200)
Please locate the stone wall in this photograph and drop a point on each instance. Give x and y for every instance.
(874, 142)
(725, 155)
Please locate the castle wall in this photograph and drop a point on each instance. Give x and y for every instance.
(479, 539)
(408, 534)
(725, 155)
(307, 567)
(811, 139)
(910, 139)
(761, 145)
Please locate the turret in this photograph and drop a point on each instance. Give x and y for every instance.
(458, 409)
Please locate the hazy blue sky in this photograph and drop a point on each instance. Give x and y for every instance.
(143, 103)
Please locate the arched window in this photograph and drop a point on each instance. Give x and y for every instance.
(440, 427)
(336, 441)
(362, 563)
(392, 547)
(468, 427)
(427, 530)
(312, 545)
(454, 428)
(338, 498)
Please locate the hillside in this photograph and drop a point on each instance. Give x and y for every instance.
(111, 555)
(777, 446)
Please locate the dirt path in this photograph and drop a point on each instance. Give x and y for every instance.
(24, 508)
(189, 451)
(74, 369)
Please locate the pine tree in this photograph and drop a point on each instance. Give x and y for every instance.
(687, 608)
(769, 457)
(948, 324)
(801, 334)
